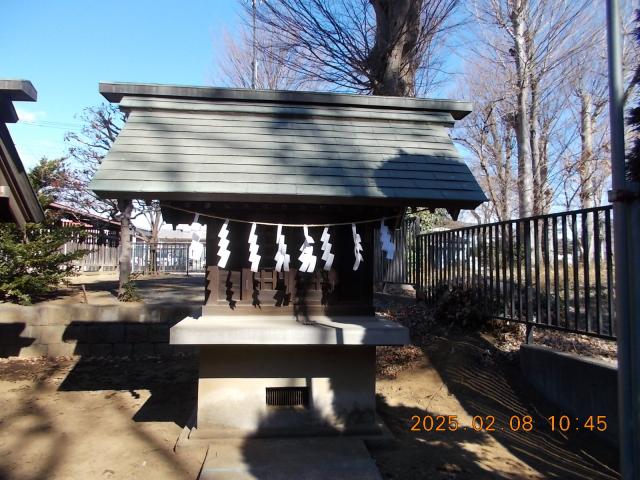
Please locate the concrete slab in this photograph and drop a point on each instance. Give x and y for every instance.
(285, 459)
(286, 330)
(193, 438)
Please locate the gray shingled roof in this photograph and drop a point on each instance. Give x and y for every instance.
(195, 143)
(18, 200)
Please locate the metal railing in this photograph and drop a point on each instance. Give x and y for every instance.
(103, 255)
(166, 257)
(554, 271)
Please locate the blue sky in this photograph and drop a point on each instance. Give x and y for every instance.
(66, 47)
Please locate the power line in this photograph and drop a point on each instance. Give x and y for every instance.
(49, 124)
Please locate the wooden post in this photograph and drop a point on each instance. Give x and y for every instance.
(212, 285)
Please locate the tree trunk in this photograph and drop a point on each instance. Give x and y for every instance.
(543, 159)
(155, 233)
(153, 257)
(586, 155)
(126, 208)
(392, 62)
(502, 204)
(534, 138)
(508, 175)
(585, 169)
(525, 180)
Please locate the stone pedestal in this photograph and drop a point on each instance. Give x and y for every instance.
(271, 375)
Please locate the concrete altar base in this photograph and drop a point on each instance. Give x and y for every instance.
(263, 375)
(337, 384)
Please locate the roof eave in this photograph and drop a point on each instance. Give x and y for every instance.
(20, 197)
(18, 90)
(471, 202)
(114, 92)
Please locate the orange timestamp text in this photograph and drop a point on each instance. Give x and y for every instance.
(515, 423)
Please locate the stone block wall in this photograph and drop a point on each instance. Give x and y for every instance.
(580, 387)
(91, 330)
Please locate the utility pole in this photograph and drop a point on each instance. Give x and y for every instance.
(625, 196)
(254, 63)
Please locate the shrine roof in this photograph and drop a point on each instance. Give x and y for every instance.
(18, 200)
(217, 144)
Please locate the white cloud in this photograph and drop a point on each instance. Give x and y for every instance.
(26, 116)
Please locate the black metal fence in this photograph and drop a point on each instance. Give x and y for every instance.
(167, 257)
(554, 271)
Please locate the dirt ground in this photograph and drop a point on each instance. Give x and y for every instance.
(449, 371)
(465, 376)
(119, 419)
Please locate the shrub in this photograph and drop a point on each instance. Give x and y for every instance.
(463, 307)
(130, 290)
(31, 261)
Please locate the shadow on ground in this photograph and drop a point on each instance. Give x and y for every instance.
(433, 455)
(11, 341)
(35, 429)
(47, 432)
(471, 370)
(172, 384)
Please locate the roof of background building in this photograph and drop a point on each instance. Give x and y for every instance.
(18, 201)
(213, 144)
(182, 234)
(82, 216)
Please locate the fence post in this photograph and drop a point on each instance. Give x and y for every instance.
(528, 334)
(527, 282)
(419, 264)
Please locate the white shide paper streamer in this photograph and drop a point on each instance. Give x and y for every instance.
(357, 247)
(307, 258)
(386, 242)
(223, 252)
(196, 248)
(254, 258)
(282, 257)
(327, 256)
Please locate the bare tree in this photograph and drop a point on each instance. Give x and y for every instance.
(101, 126)
(273, 71)
(531, 40)
(380, 47)
(53, 181)
(588, 88)
(88, 146)
(489, 134)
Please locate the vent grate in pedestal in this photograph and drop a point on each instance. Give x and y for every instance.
(287, 396)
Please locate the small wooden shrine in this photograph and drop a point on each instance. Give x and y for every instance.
(292, 187)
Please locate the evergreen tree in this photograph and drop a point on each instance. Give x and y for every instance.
(32, 262)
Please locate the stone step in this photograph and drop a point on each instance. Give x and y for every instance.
(317, 458)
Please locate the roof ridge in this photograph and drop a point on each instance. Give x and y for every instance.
(116, 91)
